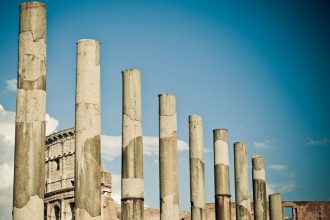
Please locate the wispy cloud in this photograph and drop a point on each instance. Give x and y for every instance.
(277, 167)
(323, 142)
(111, 146)
(262, 144)
(283, 187)
(11, 85)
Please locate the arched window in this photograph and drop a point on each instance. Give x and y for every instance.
(57, 211)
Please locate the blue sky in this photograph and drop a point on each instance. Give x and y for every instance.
(260, 69)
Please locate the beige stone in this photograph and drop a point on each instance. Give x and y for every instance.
(275, 207)
(132, 185)
(29, 174)
(88, 164)
(242, 195)
(168, 158)
(259, 188)
(197, 175)
(221, 174)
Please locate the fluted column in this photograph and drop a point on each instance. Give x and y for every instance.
(168, 158)
(132, 189)
(29, 178)
(259, 188)
(275, 207)
(197, 176)
(221, 174)
(88, 125)
(242, 195)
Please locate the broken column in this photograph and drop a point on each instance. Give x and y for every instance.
(275, 207)
(259, 188)
(197, 177)
(243, 206)
(221, 174)
(88, 164)
(132, 193)
(29, 178)
(168, 158)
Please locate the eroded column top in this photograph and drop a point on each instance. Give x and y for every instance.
(258, 167)
(220, 134)
(167, 104)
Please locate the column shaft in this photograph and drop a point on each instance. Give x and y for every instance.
(132, 188)
(243, 206)
(259, 188)
(29, 178)
(275, 207)
(88, 125)
(221, 174)
(197, 176)
(168, 158)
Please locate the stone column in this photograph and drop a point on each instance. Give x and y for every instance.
(29, 178)
(168, 158)
(197, 177)
(221, 174)
(243, 206)
(132, 193)
(88, 163)
(259, 188)
(275, 207)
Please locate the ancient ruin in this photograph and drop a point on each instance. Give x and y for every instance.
(61, 177)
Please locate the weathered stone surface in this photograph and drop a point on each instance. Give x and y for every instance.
(132, 185)
(242, 194)
(168, 158)
(197, 175)
(275, 207)
(88, 164)
(221, 174)
(259, 188)
(29, 174)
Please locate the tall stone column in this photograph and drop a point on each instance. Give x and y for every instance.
(197, 176)
(168, 158)
(275, 207)
(132, 193)
(259, 188)
(221, 174)
(88, 163)
(242, 195)
(29, 178)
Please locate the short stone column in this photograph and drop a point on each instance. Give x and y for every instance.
(88, 125)
(275, 207)
(197, 176)
(259, 188)
(29, 177)
(242, 195)
(221, 174)
(168, 158)
(132, 193)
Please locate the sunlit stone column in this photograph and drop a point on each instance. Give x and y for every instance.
(259, 188)
(275, 207)
(197, 176)
(29, 178)
(132, 192)
(221, 174)
(168, 158)
(243, 206)
(88, 164)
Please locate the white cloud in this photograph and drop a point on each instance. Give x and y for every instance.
(277, 167)
(111, 146)
(11, 85)
(116, 188)
(7, 146)
(318, 142)
(283, 187)
(262, 144)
